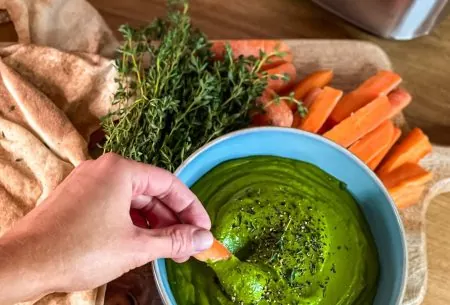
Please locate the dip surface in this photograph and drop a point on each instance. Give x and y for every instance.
(297, 232)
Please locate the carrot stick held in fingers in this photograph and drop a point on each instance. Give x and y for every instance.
(217, 252)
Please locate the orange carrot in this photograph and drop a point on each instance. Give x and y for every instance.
(378, 85)
(276, 113)
(380, 156)
(369, 146)
(217, 252)
(253, 47)
(320, 109)
(406, 184)
(399, 99)
(360, 123)
(311, 97)
(308, 100)
(317, 79)
(411, 149)
(408, 173)
(297, 120)
(405, 196)
(285, 70)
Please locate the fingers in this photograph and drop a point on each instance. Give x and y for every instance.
(177, 242)
(157, 213)
(138, 219)
(155, 182)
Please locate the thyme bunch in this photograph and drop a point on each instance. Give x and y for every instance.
(172, 96)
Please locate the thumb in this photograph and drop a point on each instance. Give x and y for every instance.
(174, 241)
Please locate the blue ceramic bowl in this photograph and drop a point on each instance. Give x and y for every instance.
(378, 208)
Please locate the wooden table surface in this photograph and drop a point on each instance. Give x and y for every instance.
(424, 64)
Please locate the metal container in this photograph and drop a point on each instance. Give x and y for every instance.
(395, 19)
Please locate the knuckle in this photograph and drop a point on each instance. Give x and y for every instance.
(110, 158)
(181, 242)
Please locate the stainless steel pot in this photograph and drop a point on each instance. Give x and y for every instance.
(395, 19)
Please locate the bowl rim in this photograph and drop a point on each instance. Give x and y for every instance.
(224, 137)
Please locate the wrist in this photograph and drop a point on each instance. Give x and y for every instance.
(24, 272)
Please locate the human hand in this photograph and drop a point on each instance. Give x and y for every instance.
(82, 236)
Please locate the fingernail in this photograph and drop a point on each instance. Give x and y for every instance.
(202, 239)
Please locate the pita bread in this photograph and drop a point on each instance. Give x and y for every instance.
(80, 84)
(54, 87)
(53, 23)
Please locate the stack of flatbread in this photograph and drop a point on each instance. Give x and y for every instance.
(55, 84)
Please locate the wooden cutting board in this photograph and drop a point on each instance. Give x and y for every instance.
(352, 62)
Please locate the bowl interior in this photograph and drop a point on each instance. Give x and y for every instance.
(375, 203)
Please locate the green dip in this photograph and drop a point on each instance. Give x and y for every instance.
(297, 235)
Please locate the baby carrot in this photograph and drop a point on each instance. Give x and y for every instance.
(281, 77)
(253, 48)
(274, 112)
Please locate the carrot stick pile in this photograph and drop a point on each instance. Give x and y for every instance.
(359, 120)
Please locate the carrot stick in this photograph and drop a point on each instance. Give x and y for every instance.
(408, 173)
(311, 97)
(380, 156)
(414, 147)
(360, 123)
(217, 252)
(405, 196)
(284, 70)
(406, 183)
(378, 85)
(320, 109)
(253, 47)
(308, 100)
(317, 79)
(273, 112)
(399, 99)
(369, 146)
